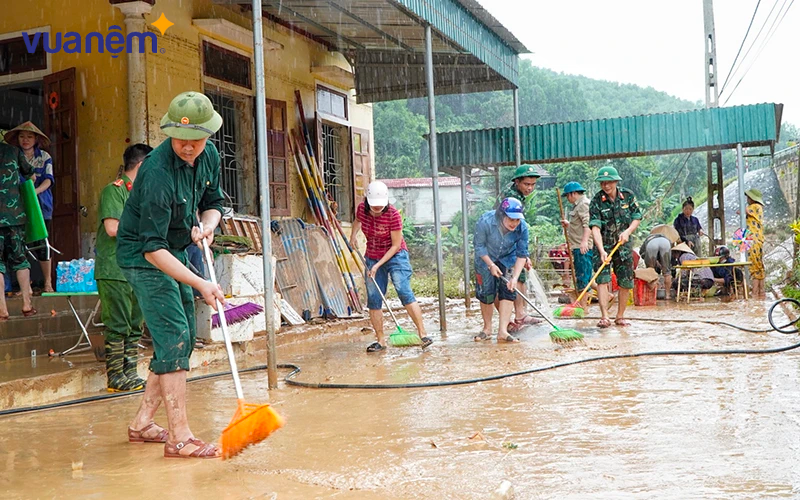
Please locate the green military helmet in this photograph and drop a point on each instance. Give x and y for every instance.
(526, 171)
(191, 116)
(608, 174)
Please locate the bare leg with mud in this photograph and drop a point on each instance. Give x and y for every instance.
(47, 268)
(24, 280)
(376, 318)
(602, 296)
(150, 403)
(623, 304)
(487, 312)
(415, 311)
(3, 306)
(506, 308)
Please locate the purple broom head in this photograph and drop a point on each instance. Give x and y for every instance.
(237, 314)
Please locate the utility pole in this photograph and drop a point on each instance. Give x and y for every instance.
(716, 186)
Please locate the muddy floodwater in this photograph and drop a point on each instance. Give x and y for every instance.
(657, 427)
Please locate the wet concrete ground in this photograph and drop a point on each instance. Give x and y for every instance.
(667, 427)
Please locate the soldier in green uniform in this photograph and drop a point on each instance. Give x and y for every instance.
(521, 188)
(613, 216)
(12, 226)
(176, 180)
(121, 313)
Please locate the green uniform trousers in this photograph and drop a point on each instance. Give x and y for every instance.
(168, 308)
(121, 313)
(621, 262)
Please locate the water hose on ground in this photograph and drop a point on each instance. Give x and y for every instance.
(789, 328)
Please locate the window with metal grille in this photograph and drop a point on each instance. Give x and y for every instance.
(14, 57)
(226, 65)
(227, 141)
(337, 173)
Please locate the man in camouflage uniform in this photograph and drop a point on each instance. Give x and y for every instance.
(521, 188)
(12, 226)
(178, 179)
(121, 313)
(613, 216)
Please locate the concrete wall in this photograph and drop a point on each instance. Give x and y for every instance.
(102, 84)
(417, 203)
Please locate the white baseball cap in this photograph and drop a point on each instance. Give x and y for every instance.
(377, 194)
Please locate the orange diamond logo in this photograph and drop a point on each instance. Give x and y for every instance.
(163, 24)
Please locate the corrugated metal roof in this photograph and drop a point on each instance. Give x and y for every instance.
(385, 39)
(697, 130)
(420, 182)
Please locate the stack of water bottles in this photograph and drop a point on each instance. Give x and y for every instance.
(76, 276)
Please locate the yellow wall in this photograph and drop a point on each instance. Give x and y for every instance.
(102, 81)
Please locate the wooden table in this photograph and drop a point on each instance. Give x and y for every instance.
(691, 269)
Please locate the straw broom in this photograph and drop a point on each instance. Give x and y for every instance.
(251, 423)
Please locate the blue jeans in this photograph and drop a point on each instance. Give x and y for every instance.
(195, 256)
(399, 267)
(583, 267)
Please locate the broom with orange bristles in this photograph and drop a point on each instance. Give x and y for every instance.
(575, 310)
(251, 423)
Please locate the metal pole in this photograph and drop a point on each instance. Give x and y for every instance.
(437, 226)
(263, 181)
(464, 230)
(517, 145)
(742, 201)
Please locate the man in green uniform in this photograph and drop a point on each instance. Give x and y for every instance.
(176, 180)
(613, 216)
(121, 313)
(12, 226)
(521, 188)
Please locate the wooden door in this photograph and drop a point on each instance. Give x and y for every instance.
(361, 163)
(61, 125)
(279, 193)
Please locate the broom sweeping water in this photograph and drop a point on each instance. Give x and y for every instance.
(560, 335)
(574, 310)
(251, 423)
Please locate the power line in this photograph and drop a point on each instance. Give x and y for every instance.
(730, 71)
(770, 34)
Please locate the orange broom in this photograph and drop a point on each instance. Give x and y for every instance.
(574, 310)
(251, 423)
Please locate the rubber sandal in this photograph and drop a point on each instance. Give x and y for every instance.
(138, 436)
(514, 327)
(426, 341)
(375, 347)
(482, 336)
(508, 338)
(622, 322)
(204, 450)
(4, 317)
(604, 323)
(527, 320)
(30, 312)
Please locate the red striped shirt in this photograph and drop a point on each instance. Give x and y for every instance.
(378, 230)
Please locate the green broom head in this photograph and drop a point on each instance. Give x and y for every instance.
(404, 338)
(565, 336)
(569, 311)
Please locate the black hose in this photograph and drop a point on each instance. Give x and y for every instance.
(289, 379)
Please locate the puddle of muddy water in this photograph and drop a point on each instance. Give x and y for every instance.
(668, 427)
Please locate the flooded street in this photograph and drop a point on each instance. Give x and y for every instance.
(655, 427)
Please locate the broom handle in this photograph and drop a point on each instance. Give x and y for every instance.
(379, 288)
(597, 273)
(526, 299)
(566, 239)
(223, 321)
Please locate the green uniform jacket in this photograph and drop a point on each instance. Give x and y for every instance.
(161, 210)
(112, 200)
(613, 217)
(12, 165)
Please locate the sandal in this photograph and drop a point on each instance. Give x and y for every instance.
(375, 347)
(482, 336)
(622, 322)
(604, 323)
(30, 312)
(139, 436)
(204, 450)
(527, 320)
(4, 317)
(426, 341)
(508, 338)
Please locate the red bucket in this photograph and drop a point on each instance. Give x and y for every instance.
(643, 295)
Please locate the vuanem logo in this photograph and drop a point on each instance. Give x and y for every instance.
(114, 42)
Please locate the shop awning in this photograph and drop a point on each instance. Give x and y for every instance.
(385, 42)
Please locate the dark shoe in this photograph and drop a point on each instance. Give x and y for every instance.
(508, 338)
(426, 341)
(375, 347)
